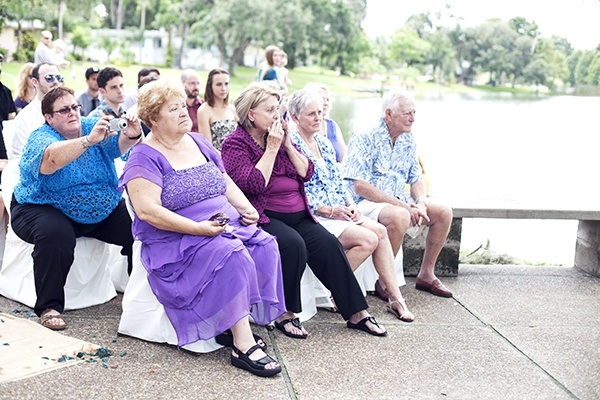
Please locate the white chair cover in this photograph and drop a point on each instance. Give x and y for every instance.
(314, 294)
(8, 133)
(89, 281)
(143, 316)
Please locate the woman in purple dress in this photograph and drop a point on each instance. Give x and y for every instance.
(208, 263)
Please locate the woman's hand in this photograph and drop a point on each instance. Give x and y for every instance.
(249, 217)
(100, 130)
(211, 228)
(275, 135)
(355, 212)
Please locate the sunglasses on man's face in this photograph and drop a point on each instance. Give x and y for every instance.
(51, 77)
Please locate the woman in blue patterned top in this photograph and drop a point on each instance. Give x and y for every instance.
(68, 189)
(333, 205)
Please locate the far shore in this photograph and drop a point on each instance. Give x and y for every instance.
(339, 85)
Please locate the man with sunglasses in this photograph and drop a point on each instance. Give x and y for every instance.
(45, 77)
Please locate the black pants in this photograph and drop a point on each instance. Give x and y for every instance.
(301, 240)
(53, 236)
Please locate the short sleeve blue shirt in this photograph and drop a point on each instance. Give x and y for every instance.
(85, 189)
(371, 157)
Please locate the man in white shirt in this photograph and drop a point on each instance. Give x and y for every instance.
(44, 52)
(45, 77)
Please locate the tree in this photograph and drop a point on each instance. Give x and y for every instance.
(581, 70)
(21, 11)
(81, 40)
(524, 27)
(593, 75)
(492, 48)
(232, 25)
(536, 72)
(521, 56)
(407, 47)
(440, 55)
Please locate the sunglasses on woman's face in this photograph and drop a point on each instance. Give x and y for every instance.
(51, 77)
(66, 110)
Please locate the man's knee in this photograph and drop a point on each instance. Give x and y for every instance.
(440, 213)
(394, 218)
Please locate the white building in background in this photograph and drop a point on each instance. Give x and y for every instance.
(151, 50)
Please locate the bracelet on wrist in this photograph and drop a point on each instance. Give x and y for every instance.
(135, 138)
(332, 211)
(85, 142)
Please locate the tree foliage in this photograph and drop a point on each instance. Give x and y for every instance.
(327, 33)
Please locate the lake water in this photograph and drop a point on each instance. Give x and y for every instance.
(504, 146)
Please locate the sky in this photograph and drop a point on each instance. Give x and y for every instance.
(576, 20)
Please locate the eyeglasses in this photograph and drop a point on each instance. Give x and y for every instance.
(51, 77)
(66, 110)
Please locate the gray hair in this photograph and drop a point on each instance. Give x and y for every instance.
(300, 99)
(392, 99)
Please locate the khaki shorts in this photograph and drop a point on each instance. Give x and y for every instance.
(371, 210)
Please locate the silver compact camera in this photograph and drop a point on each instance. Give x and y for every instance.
(117, 124)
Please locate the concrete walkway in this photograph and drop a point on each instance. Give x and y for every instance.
(510, 332)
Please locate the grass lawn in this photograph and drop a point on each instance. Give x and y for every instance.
(341, 86)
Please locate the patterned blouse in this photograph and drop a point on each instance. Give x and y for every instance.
(85, 189)
(326, 187)
(219, 130)
(371, 157)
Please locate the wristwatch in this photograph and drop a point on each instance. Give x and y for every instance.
(422, 198)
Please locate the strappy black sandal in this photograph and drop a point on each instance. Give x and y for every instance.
(226, 339)
(362, 326)
(294, 321)
(256, 367)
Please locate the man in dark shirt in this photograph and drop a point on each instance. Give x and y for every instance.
(90, 99)
(7, 111)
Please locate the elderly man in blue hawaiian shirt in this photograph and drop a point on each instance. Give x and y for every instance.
(378, 165)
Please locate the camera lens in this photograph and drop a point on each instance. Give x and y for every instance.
(122, 123)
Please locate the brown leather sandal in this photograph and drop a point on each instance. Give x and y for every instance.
(46, 317)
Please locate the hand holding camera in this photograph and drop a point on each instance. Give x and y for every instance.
(117, 124)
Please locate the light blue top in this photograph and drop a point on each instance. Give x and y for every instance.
(326, 187)
(371, 157)
(85, 189)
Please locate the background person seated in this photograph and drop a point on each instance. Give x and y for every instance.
(261, 158)
(68, 189)
(333, 205)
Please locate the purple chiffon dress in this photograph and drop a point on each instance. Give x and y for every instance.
(206, 284)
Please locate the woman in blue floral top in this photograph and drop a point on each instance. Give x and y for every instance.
(333, 206)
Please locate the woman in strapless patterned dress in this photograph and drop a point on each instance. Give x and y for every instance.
(216, 118)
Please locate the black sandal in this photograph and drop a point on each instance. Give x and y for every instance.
(226, 339)
(362, 326)
(294, 321)
(256, 367)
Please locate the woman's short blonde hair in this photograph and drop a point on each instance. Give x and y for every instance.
(251, 97)
(154, 95)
